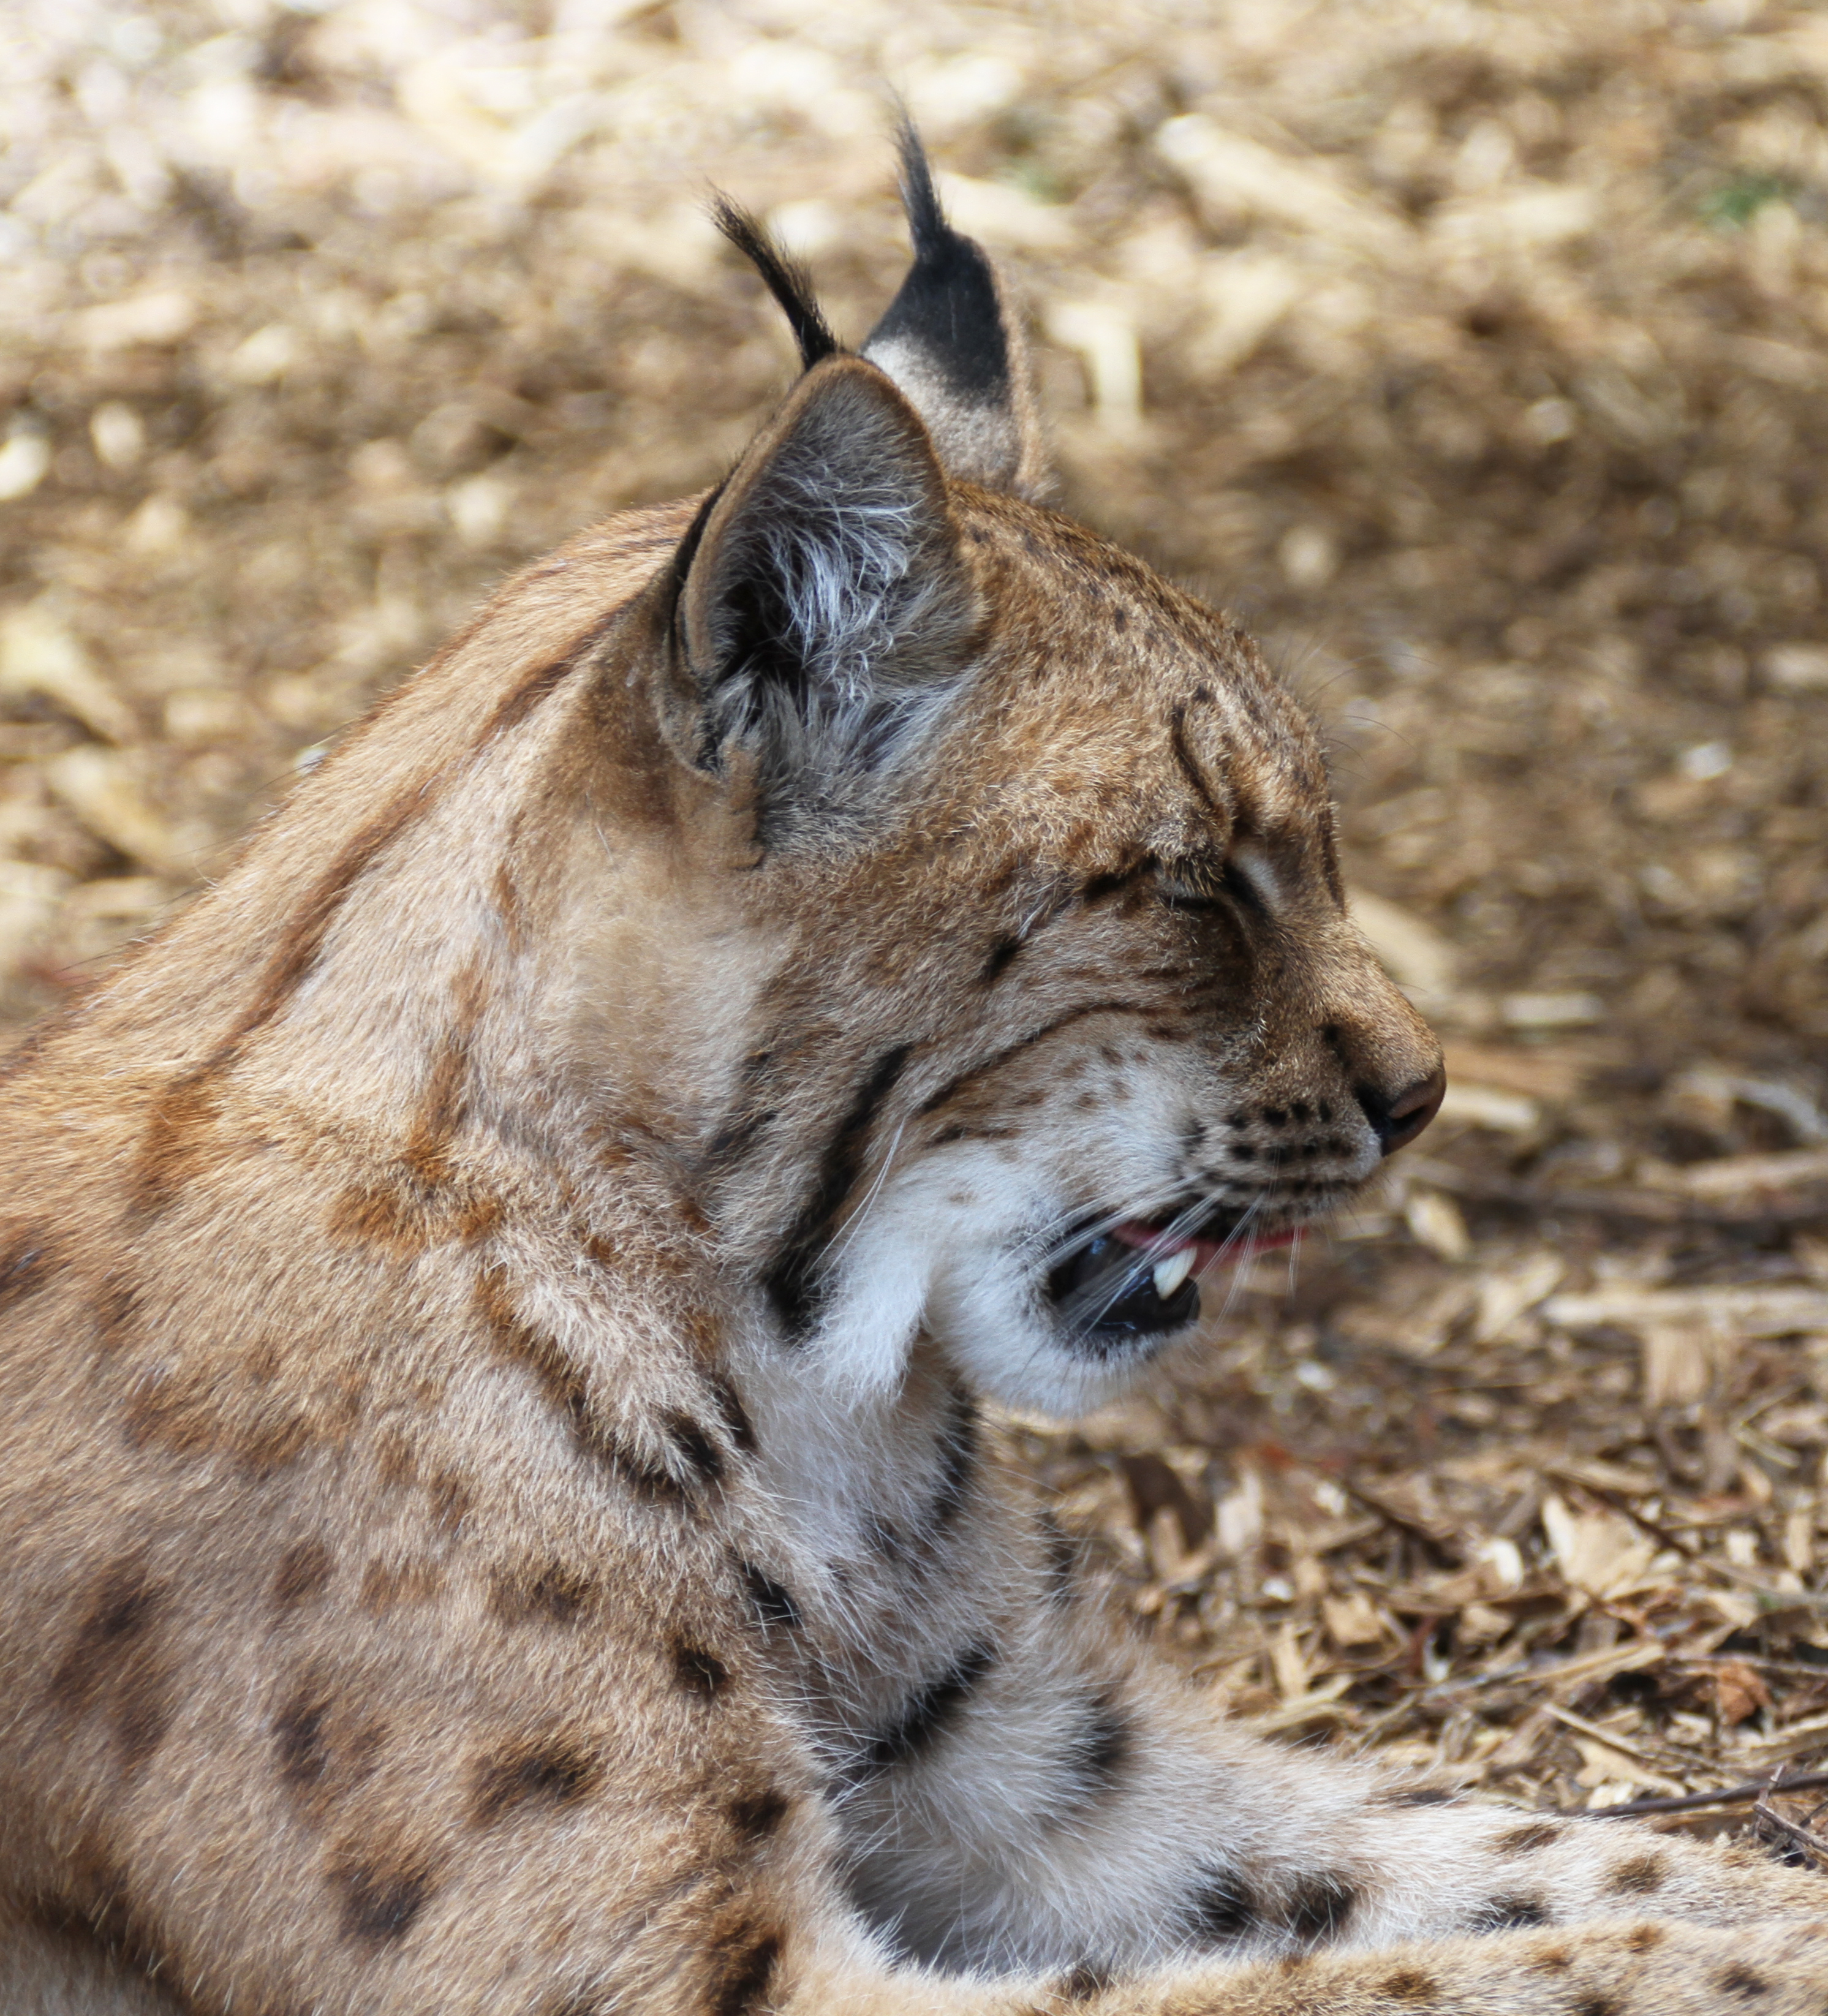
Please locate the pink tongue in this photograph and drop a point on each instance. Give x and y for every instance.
(1206, 1252)
(1133, 1231)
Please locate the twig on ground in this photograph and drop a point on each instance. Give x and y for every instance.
(1686, 1802)
(1768, 1816)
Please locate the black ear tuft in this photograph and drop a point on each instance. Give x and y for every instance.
(952, 343)
(786, 281)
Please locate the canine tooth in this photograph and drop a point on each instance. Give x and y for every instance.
(1171, 1272)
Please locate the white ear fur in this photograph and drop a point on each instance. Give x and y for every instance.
(826, 613)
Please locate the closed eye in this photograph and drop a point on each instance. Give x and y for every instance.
(1209, 885)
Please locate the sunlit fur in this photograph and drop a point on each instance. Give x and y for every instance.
(496, 1302)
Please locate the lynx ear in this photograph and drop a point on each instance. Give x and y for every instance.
(825, 612)
(951, 342)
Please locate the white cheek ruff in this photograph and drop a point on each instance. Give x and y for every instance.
(1040, 1304)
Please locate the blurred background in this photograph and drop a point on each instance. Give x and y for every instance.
(1474, 353)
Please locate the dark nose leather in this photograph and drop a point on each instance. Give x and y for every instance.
(1397, 1122)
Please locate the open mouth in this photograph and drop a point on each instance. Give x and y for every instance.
(1137, 1279)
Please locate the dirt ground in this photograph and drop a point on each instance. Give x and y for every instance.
(1476, 354)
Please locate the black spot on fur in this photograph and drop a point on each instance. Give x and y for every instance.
(125, 1606)
(1096, 1758)
(551, 1774)
(1319, 1908)
(929, 1714)
(303, 1571)
(545, 1592)
(1422, 1796)
(112, 1661)
(792, 1284)
(629, 1467)
(774, 1606)
(299, 1739)
(1508, 1914)
(25, 1264)
(1525, 1839)
(101, 1914)
(756, 1815)
(1598, 2005)
(699, 1672)
(1222, 1908)
(1639, 1876)
(1741, 1981)
(743, 1981)
(379, 1905)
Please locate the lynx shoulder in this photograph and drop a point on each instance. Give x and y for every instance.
(495, 1302)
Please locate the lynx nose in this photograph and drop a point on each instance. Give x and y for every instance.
(1397, 1122)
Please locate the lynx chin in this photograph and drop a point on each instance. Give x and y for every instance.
(498, 1299)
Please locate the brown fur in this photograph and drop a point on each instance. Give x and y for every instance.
(451, 1562)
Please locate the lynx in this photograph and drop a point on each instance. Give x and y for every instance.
(498, 1298)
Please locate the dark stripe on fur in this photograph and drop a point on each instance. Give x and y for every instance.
(517, 705)
(998, 962)
(566, 1385)
(1177, 732)
(794, 1286)
(957, 1455)
(695, 1447)
(951, 1090)
(742, 1971)
(736, 1421)
(1101, 887)
(1059, 1558)
(292, 963)
(931, 1712)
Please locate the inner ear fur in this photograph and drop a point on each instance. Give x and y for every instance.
(951, 339)
(826, 611)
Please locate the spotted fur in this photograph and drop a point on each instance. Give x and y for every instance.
(499, 1298)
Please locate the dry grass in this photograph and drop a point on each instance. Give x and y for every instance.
(1475, 352)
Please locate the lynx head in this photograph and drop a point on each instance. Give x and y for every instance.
(1060, 1006)
(866, 894)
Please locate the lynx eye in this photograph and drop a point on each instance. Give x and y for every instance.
(1211, 883)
